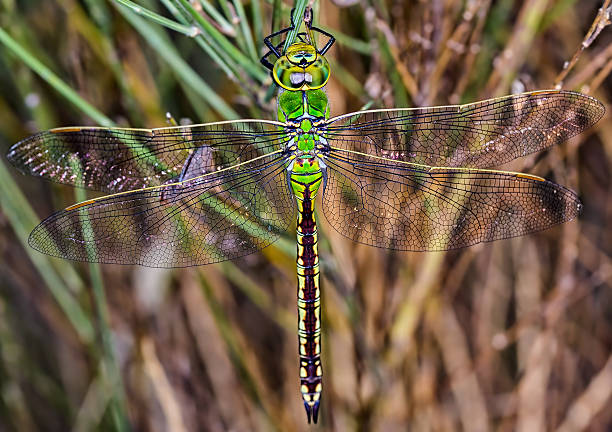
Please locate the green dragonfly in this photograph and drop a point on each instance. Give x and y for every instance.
(408, 179)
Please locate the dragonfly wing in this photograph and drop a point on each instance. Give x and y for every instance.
(481, 134)
(116, 159)
(204, 219)
(416, 208)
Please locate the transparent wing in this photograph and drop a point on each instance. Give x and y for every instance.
(417, 208)
(204, 219)
(115, 159)
(481, 134)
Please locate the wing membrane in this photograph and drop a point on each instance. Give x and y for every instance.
(115, 159)
(418, 208)
(481, 134)
(204, 219)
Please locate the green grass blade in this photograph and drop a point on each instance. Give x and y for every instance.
(205, 42)
(228, 49)
(245, 29)
(298, 16)
(22, 218)
(257, 21)
(229, 335)
(355, 44)
(347, 80)
(100, 14)
(166, 50)
(276, 16)
(224, 24)
(231, 14)
(257, 295)
(190, 31)
(111, 369)
(53, 80)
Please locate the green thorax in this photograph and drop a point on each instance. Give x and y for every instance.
(302, 73)
(294, 105)
(303, 108)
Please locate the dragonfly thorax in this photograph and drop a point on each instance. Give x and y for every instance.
(294, 107)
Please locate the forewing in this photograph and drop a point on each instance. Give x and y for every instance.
(416, 208)
(115, 159)
(481, 134)
(205, 219)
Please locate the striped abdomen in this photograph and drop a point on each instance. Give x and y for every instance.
(305, 183)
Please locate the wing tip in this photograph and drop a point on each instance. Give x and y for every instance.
(39, 241)
(20, 154)
(11, 154)
(594, 108)
(568, 202)
(601, 109)
(575, 206)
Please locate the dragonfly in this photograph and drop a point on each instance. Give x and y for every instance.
(407, 179)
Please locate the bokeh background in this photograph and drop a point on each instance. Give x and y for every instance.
(513, 335)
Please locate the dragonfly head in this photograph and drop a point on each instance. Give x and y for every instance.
(301, 68)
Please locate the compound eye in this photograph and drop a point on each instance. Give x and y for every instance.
(294, 77)
(318, 73)
(286, 75)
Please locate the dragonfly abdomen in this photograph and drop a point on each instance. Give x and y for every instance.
(305, 186)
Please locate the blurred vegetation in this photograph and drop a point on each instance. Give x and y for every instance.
(513, 335)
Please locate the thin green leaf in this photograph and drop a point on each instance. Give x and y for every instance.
(53, 80)
(22, 218)
(190, 31)
(224, 24)
(250, 67)
(298, 16)
(117, 405)
(160, 43)
(350, 42)
(245, 29)
(257, 21)
(205, 42)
